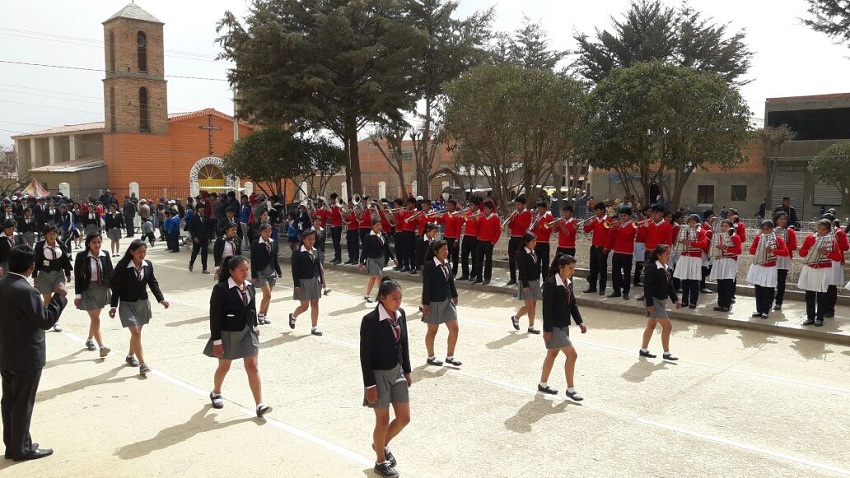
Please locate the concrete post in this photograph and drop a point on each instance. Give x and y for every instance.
(51, 146)
(382, 189)
(343, 191)
(65, 189)
(72, 147)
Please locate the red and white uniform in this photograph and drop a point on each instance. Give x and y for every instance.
(622, 239)
(764, 274)
(689, 265)
(408, 226)
(452, 225)
(741, 231)
(838, 265)
(490, 229)
(790, 238)
(597, 227)
(519, 224)
(366, 219)
(351, 221)
(818, 275)
(473, 223)
(726, 267)
(336, 216)
(325, 215)
(540, 231)
(658, 233)
(567, 231)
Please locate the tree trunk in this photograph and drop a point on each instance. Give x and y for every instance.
(353, 156)
(424, 159)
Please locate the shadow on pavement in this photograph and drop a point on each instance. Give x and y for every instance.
(283, 338)
(535, 410)
(65, 360)
(642, 369)
(200, 422)
(509, 339)
(101, 379)
(811, 349)
(203, 318)
(426, 371)
(362, 307)
(751, 339)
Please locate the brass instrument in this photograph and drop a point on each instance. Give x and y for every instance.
(826, 243)
(413, 216)
(473, 216)
(509, 219)
(534, 221)
(765, 242)
(553, 223)
(343, 207)
(643, 223)
(358, 207)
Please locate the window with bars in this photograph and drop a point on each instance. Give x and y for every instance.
(705, 194)
(739, 192)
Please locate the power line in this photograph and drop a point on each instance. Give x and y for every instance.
(65, 67)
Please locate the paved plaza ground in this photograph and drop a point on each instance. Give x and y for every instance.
(738, 403)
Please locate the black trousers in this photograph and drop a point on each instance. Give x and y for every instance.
(638, 269)
(352, 242)
(410, 237)
(542, 252)
(706, 271)
(725, 291)
(813, 313)
(513, 246)
(598, 268)
(201, 247)
(336, 236)
(781, 278)
(483, 265)
(212, 233)
(173, 241)
(690, 292)
(128, 223)
(566, 250)
(19, 389)
(831, 299)
(621, 270)
(454, 253)
(467, 252)
(764, 297)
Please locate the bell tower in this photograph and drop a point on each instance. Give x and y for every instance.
(134, 88)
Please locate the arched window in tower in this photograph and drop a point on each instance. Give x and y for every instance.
(111, 51)
(142, 50)
(144, 123)
(112, 126)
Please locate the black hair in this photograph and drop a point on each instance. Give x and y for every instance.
(430, 227)
(475, 200)
(306, 234)
(731, 226)
(451, 201)
(779, 214)
(766, 223)
(90, 237)
(229, 264)
(432, 250)
(559, 261)
(388, 285)
(676, 216)
(49, 227)
(826, 223)
(127, 257)
(21, 258)
(600, 206)
(567, 208)
(656, 253)
(265, 226)
(374, 221)
(528, 237)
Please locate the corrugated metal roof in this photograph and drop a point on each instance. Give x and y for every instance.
(96, 127)
(70, 166)
(134, 12)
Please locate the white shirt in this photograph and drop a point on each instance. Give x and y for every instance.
(132, 265)
(384, 315)
(93, 262)
(55, 251)
(229, 249)
(659, 265)
(560, 282)
(231, 284)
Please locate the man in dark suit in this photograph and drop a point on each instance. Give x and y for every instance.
(23, 320)
(199, 232)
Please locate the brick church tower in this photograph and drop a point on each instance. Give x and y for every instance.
(136, 146)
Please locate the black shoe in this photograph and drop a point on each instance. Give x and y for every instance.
(640, 297)
(262, 410)
(829, 315)
(367, 299)
(452, 361)
(486, 282)
(515, 322)
(435, 362)
(216, 400)
(471, 280)
(191, 267)
(532, 330)
(625, 296)
(589, 291)
(638, 284)
(692, 306)
(646, 354)
(34, 455)
(808, 322)
(546, 389)
(575, 396)
(385, 469)
(818, 323)
(478, 281)
(756, 314)
(388, 454)
(602, 292)
(764, 315)
(669, 356)
(720, 309)
(291, 321)
(511, 282)
(463, 277)
(8, 455)
(777, 307)
(614, 294)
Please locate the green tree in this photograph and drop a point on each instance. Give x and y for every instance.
(324, 160)
(513, 124)
(772, 139)
(831, 17)
(661, 120)
(831, 166)
(528, 47)
(650, 31)
(269, 157)
(327, 64)
(389, 139)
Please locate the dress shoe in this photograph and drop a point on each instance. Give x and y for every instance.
(34, 455)
(818, 323)
(515, 322)
(602, 292)
(625, 296)
(546, 389)
(435, 362)
(669, 356)
(511, 282)
(191, 267)
(614, 294)
(589, 291)
(8, 455)
(828, 315)
(809, 322)
(640, 297)
(477, 281)
(777, 307)
(646, 354)
(692, 306)
(756, 314)
(486, 282)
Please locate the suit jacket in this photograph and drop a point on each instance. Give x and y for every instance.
(378, 347)
(559, 305)
(218, 250)
(82, 270)
(528, 269)
(372, 248)
(5, 247)
(658, 284)
(198, 228)
(227, 312)
(261, 258)
(435, 286)
(23, 320)
(303, 268)
(126, 287)
(63, 263)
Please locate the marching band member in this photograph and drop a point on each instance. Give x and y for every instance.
(658, 231)
(529, 283)
(518, 223)
(692, 242)
(599, 226)
(452, 222)
(707, 219)
(376, 251)
(352, 236)
(820, 251)
(543, 234)
(640, 243)
(439, 302)
(783, 264)
(336, 228)
(766, 246)
(471, 221)
(621, 240)
(724, 252)
(407, 257)
(489, 233)
(837, 266)
(364, 226)
(567, 231)
(678, 225)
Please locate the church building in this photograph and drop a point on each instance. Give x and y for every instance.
(139, 147)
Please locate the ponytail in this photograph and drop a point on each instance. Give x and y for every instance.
(655, 253)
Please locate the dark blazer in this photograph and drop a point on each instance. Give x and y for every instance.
(63, 263)
(227, 312)
(528, 269)
(658, 284)
(421, 249)
(111, 221)
(5, 247)
(125, 286)
(87, 220)
(378, 348)
(260, 257)
(372, 248)
(559, 304)
(23, 320)
(198, 228)
(83, 274)
(24, 227)
(303, 268)
(435, 287)
(218, 249)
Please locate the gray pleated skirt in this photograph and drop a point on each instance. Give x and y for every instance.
(114, 234)
(237, 345)
(441, 312)
(134, 314)
(375, 267)
(311, 289)
(95, 297)
(267, 276)
(534, 291)
(49, 281)
(560, 338)
(91, 228)
(392, 388)
(660, 309)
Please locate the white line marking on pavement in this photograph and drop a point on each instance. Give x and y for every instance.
(744, 446)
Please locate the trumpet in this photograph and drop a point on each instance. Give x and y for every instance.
(474, 216)
(433, 214)
(642, 223)
(551, 224)
(413, 216)
(509, 219)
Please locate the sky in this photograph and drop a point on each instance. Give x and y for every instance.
(789, 59)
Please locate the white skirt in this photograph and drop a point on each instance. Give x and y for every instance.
(640, 251)
(674, 257)
(762, 276)
(723, 269)
(814, 279)
(837, 274)
(688, 268)
(784, 263)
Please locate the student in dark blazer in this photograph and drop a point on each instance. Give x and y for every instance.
(52, 264)
(265, 268)
(226, 245)
(92, 273)
(9, 238)
(199, 232)
(423, 244)
(439, 301)
(233, 330)
(308, 276)
(559, 306)
(23, 319)
(528, 267)
(132, 277)
(658, 287)
(385, 364)
(376, 251)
